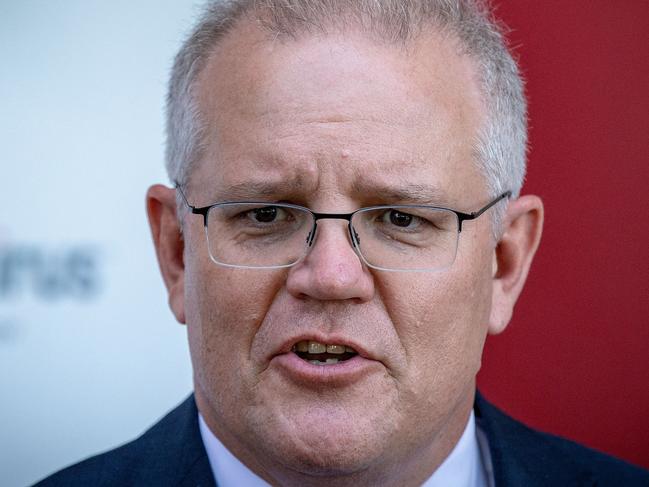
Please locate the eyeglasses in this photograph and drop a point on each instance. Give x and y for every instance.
(264, 235)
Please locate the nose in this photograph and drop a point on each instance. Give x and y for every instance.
(331, 270)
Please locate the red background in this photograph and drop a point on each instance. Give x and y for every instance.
(575, 358)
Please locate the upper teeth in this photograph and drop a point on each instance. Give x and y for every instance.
(311, 346)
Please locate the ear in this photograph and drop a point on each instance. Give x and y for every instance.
(169, 244)
(513, 256)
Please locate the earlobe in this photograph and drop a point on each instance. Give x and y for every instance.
(513, 257)
(169, 244)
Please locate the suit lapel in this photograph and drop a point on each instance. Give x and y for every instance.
(176, 451)
(522, 456)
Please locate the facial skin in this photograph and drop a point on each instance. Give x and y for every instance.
(336, 123)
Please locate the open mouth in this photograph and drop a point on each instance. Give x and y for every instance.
(318, 353)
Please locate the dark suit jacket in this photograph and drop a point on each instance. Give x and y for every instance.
(171, 453)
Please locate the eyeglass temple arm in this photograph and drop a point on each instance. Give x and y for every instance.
(472, 216)
(198, 211)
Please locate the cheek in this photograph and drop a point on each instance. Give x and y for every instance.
(442, 323)
(224, 310)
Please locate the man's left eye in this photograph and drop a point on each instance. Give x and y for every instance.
(399, 218)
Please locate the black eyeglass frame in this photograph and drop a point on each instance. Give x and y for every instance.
(354, 238)
(461, 216)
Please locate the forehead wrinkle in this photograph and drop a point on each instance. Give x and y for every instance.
(389, 180)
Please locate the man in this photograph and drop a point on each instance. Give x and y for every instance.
(344, 231)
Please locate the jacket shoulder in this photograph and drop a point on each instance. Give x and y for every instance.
(523, 456)
(171, 452)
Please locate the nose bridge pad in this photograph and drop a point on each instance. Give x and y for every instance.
(311, 236)
(353, 236)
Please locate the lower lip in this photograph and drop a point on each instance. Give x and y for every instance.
(343, 373)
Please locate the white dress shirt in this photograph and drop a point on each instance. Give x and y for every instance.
(468, 465)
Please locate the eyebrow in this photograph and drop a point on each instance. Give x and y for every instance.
(255, 190)
(411, 193)
(404, 193)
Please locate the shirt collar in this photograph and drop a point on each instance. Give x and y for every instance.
(465, 465)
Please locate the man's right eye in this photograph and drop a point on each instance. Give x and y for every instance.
(266, 214)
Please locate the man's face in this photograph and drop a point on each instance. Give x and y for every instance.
(336, 123)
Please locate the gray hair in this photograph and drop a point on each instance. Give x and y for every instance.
(500, 146)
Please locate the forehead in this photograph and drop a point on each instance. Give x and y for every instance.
(338, 112)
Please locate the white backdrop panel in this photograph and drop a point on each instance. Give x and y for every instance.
(90, 354)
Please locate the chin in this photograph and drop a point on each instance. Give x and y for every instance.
(304, 456)
(324, 441)
(320, 462)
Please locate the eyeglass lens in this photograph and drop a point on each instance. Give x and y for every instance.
(394, 238)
